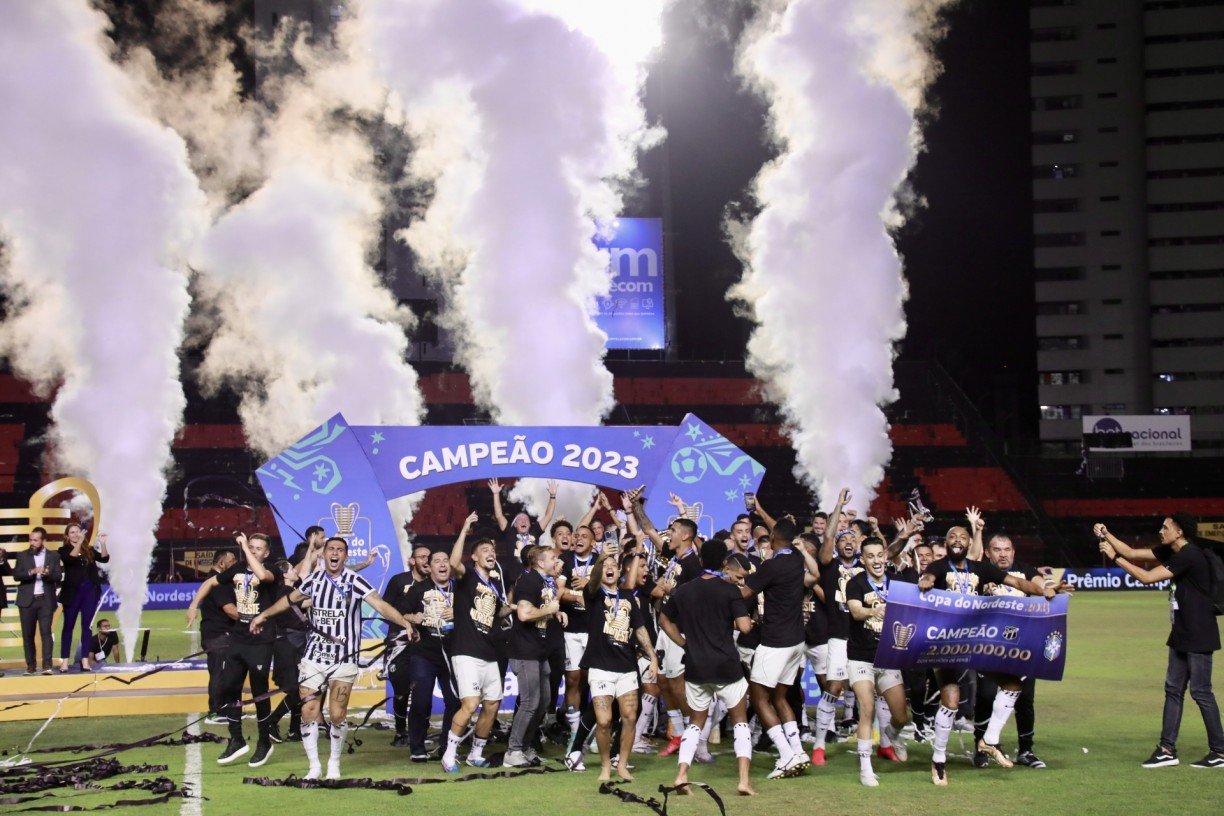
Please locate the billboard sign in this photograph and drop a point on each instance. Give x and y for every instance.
(1147, 432)
(632, 314)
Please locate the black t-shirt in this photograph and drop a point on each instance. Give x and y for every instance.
(971, 578)
(705, 611)
(294, 619)
(907, 575)
(507, 542)
(574, 566)
(815, 619)
(611, 621)
(436, 633)
(683, 570)
(396, 594)
(646, 605)
(1017, 570)
(1194, 623)
(781, 580)
(252, 597)
(476, 624)
(833, 579)
(865, 634)
(214, 623)
(104, 643)
(532, 640)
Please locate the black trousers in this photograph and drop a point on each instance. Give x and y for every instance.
(287, 651)
(37, 615)
(1026, 718)
(242, 661)
(217, 648)
(400, 676)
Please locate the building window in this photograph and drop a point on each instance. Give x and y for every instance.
(1186, 172)
(1187, 376)
(1062, 343)
(1187, 240)
(1195, 36)
(1186, 206)
(1056, 103)
(1056, 205)
(1058, 239)
(1062, 307)
(1062, 377)
(1186, 308)
(1181, 342)
(1062, 411)
(1049, 137)
(1184, 71)
(1053, 34)
(1179, 139)
(1054, 274)
(1186, 274)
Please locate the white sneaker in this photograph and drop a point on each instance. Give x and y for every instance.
(778, 772)
(574, 762)
(897, 737)
(515, 759)
(315, 772)
(796, 764)
(908, 730)
(703, 755)
(869, 779)
(963, 725)
(643, 747)
(333, 769)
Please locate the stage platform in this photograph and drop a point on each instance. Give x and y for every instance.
(178, 688)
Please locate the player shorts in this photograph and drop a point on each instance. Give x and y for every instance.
(575, 646)
(314, 676)
(673, 656)
(838, 668)
(611, 684)
(478, 678)
(700, 695)
(884, 679)
(777, 665)
(818, 657)
(746, 655)
(644, 671)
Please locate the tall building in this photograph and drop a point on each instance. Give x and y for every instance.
(1128, 213)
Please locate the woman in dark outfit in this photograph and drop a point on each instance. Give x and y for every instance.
(81, 591)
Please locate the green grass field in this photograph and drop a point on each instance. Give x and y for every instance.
(1093, 729)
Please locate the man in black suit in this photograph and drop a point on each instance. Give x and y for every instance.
(38, 574)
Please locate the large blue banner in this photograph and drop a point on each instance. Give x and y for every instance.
(157, 596)
(325, 479)
(632, 313)
(1026, 637)
(1104, 578)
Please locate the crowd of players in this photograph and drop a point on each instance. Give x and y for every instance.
(651, 631)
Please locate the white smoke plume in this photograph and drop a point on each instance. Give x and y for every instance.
(823, 282)
(98, 209)
(305, 327)
(526, 120)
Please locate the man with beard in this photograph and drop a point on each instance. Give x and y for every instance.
(215, 627)
(957, 573)
(430, 607)
(397, 660)
(479, 604)
(538, 621)
(518, 533)
(1002, 554)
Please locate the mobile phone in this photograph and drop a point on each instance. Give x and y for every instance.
(750, 500)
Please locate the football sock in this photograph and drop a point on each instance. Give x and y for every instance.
(864, 753)
(688, 744)
(478, 745)
(945, 718)
(645, 716)
(677, 722)
(310, 742)
(743, 740)
(1004, 704)
(452, 747)
(883, 720)
(338, 733)
(826, 712)
(791, 730)
(781, 743)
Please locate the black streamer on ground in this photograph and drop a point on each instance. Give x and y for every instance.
(614, 789)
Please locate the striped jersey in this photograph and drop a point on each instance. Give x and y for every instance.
(335, 615)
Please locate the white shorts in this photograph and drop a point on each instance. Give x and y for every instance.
(777, 665)
(746, 655)
(611, 684)
(818, 657)
(575, 647)
(884, 679)
(478, 678)
(673, 656)
(314, 676)
(644, 671)
(839, 663)
(700, 696)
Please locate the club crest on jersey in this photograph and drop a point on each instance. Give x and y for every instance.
(1053, 646)
(902, 634)
(1011, 632)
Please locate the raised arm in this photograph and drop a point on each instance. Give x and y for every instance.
(1121, 547)
(495, 489)
(1154, 575)
(201, 593)
(456, 558)
(547, 518)
(643, 520)
(765, 517)
(257, 568)
(828, 549)
(976, 525)
(589, 515)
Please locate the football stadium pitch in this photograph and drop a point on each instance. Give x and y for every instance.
(1093, 730)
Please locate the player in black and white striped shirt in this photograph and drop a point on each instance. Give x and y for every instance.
(332, 652)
